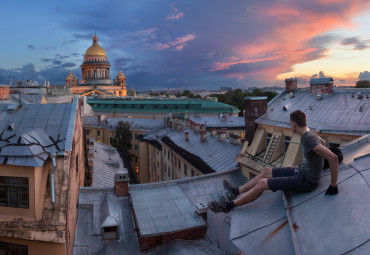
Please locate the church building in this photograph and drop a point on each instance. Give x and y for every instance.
(96, 75)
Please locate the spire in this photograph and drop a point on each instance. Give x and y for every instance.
(95, 39)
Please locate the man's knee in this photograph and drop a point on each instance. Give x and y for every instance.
(267, 172)
(262, 184)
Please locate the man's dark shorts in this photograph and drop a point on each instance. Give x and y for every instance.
(289, 179)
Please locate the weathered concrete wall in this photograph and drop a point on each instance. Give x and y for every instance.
(37, 248)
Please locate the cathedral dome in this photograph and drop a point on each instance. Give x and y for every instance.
(95, 52)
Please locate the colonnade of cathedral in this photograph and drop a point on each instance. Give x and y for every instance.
(95, 73)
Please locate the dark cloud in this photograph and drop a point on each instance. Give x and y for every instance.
(61, 57)
(83, 36)
(122, 62)
(57, 62)
(31, 47)
(364, 76)
(69, 42)
(45, 59)
(356, 42)
(68, 65)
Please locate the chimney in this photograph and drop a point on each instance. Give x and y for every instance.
(290, 85)
(196, 128)
(121, 180)
(254, 108)
(322, 86)
(201, 209)
(192, 124)
(102, 118)
(203, 136)
(203, 127)
(186, 136)
(224, 117)
(237, 140)
(188, 122)
(172, 124)
(221, 136)
(231, 138)
(213, 132)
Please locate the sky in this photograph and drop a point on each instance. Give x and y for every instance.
(189, 44)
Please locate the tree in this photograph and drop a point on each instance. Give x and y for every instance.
(122, 137)
(363, 84)
(187, 93)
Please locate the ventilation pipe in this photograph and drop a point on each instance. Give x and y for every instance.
(53, 157)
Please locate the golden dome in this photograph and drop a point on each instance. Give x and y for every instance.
(69, 76)
(121, 74)
(95, 49)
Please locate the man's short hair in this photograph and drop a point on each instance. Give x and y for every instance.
(299, 117)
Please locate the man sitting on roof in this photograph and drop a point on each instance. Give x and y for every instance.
(302, 178)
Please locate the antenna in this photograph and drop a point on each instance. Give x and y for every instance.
(19, 92)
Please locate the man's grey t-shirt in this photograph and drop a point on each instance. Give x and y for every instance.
(312, 163)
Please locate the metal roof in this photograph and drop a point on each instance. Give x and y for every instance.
(107, 162)
(340, 112)
(322, 81)
(312, 223)
(196, 189)
(217, 155)
(162, 209)
(31, 132)
(220, 122)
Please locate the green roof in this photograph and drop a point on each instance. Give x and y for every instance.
(163, 106)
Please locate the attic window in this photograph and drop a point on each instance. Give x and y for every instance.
(11, 127)
(110, 233)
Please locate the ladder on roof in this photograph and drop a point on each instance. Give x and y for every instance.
(271, 149)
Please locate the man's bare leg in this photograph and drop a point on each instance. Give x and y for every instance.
(265, 173)
(252, 194)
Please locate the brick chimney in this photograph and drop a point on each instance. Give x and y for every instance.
(196, 128)
(192, 124)
(213, 132)
(254, 108)
(321, 86)
(203, 136)
(237, 140)
(290, 85)
(188, 122)
(121, 180)
(186, 136)
(221, 135)
(203, 127)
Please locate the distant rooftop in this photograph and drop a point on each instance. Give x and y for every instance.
(208, 156)
(322, 81)
(221, 122)
(341, 112)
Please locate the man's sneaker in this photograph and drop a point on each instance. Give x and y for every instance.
(218, 207)
(230, 194)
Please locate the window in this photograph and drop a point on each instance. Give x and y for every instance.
(14, 192)
(87, 131)
(157, 164)
(110, 140)
(110, 233)
(136, 147)
(185, 170)
(98, 132)
(10, 248)
(192, 173)
(268, 138)
(286, 142)
(168, 155)
(77, 163)
(179, 164)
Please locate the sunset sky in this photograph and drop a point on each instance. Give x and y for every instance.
(189, 44)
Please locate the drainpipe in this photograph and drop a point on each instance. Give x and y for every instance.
(53, 157)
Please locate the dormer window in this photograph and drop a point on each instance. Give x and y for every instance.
(110, 233)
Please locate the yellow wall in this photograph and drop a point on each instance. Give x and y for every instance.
(38, 248)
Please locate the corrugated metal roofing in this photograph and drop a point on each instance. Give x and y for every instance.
(217, 155)
(339, 112)
(322, 80)
(162, 210)
(219, 122)
(107, 161)
(38, 131)
(312, 223)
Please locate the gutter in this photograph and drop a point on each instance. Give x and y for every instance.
(53, 157)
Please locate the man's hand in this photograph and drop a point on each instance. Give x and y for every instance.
(331, 190)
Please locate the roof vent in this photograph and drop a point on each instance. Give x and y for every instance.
(200, 208)
(319, 97)
(287, 107)
(359, 95)
(361, 108)
(367, 95)
(310, 108)
(11, 127)
(291, 94)
(12, 108)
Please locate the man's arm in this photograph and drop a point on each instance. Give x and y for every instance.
(333, 162)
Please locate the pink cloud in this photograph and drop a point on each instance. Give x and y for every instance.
(290, 28)
(178, 44)
(179, 15)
